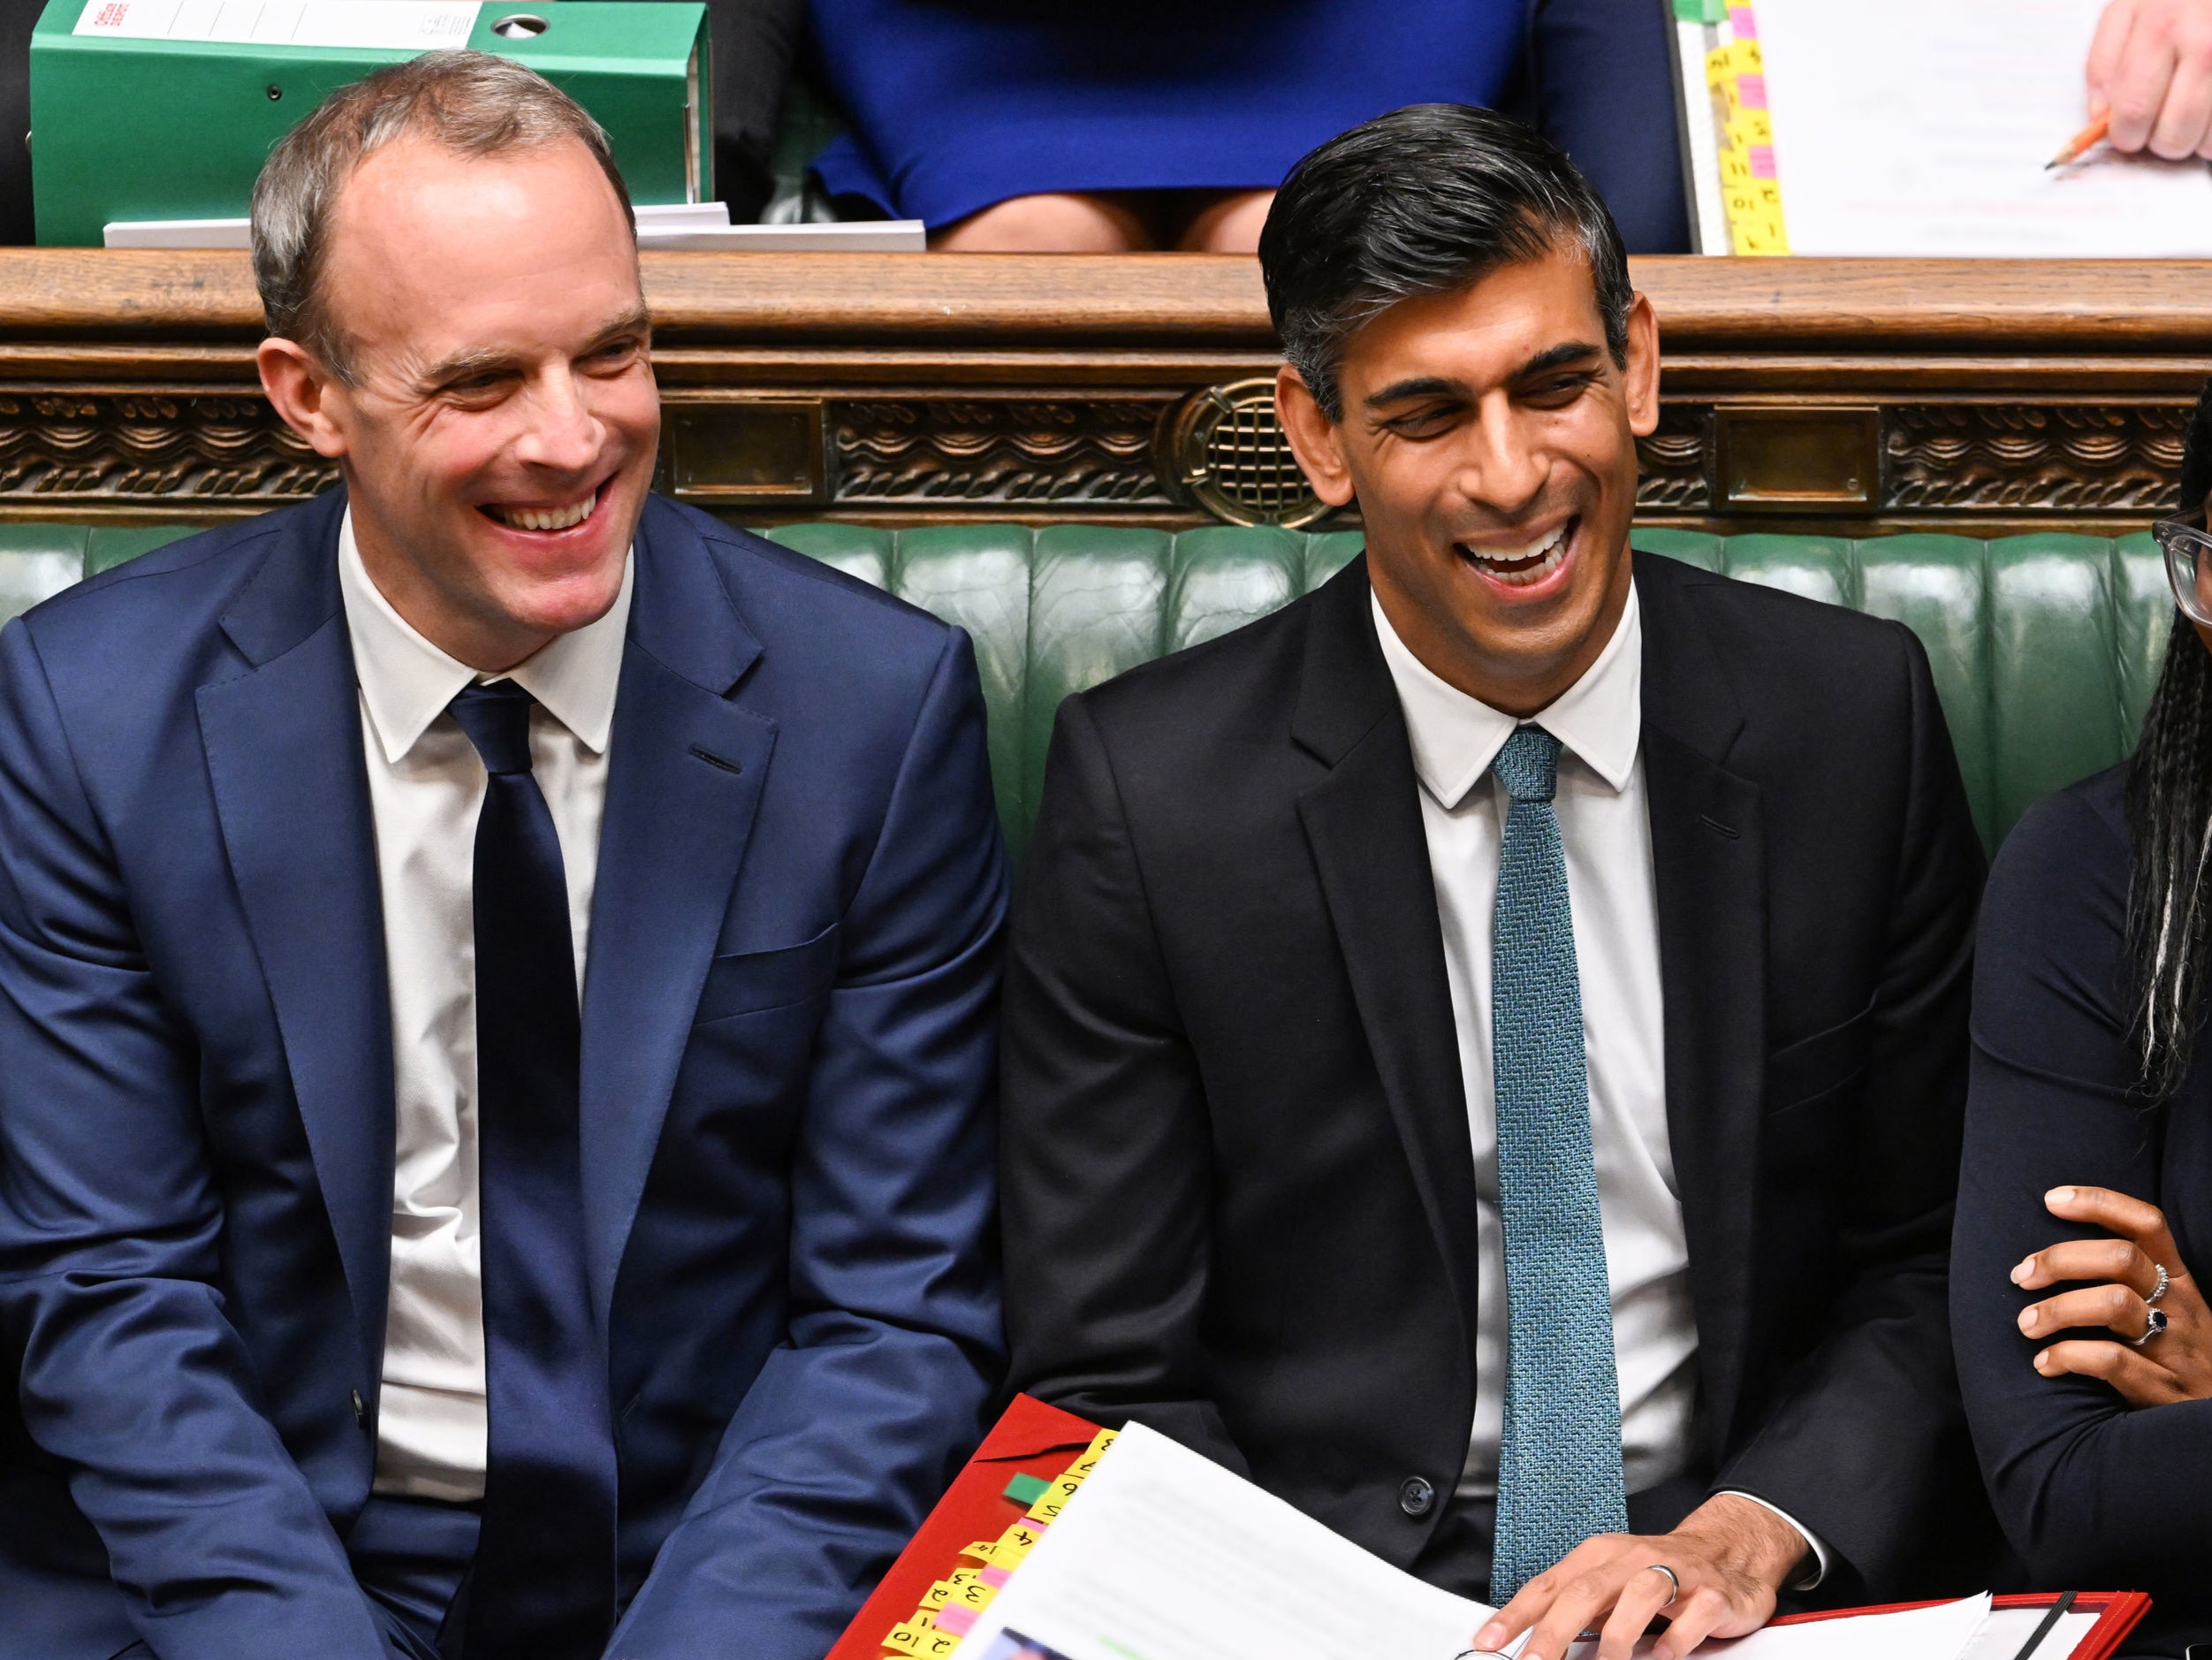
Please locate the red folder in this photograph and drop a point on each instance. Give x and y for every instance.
(1031, 1438)
(2116, 1612)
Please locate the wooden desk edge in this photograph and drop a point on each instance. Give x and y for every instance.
(1867, 306)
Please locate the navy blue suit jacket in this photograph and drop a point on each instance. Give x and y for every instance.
(788, 1037)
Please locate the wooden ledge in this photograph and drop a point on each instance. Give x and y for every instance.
(1168, 300)
(2038, 307)
(721, 299)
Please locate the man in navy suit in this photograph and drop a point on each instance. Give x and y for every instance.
(496, 976)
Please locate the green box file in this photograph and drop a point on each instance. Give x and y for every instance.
(126, 129)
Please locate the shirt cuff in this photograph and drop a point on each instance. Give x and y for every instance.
(1818, 1572)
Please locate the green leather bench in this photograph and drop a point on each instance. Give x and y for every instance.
(2045, 647)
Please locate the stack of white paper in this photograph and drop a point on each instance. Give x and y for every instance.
(1163, 1555)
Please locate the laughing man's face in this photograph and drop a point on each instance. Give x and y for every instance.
(498, 436)
(1490, 440)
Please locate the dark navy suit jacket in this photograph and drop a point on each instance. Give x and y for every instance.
(788, 1035)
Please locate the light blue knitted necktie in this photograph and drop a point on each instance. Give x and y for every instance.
(1559, 1463)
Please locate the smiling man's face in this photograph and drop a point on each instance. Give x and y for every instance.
(498, 433)
(1490, 439)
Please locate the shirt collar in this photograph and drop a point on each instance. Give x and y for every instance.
(406, 681)
(1456, 737)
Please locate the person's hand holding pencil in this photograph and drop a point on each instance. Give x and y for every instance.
(2150, 81)
(2081, 143)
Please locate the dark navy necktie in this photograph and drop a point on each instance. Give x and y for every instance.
(543, 1586)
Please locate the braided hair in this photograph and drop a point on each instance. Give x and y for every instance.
(2170, 821)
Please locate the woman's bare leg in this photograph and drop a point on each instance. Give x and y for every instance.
(1054, 223)
(1228, 225)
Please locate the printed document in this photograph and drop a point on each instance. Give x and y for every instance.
(1163, 1555)
(1922, 127)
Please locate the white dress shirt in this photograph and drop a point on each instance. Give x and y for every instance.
(426, 787)
(1604, 834)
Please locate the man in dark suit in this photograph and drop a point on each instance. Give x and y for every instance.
(1485, 1044)
(496, 982)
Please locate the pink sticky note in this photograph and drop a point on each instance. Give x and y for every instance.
(993, 1577)
(1751, 91)
(1740, 20)
(955, 1618)
(1762, 160)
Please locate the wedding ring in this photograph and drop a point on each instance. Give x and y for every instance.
(2157, 1324)
(1674, 1593)
(2164, 1280)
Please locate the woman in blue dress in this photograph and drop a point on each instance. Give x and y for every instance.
(1071, 126)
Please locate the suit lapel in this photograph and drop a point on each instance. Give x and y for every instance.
(1709, 864)
(284, 759)
(685, 771)
(1363, 822)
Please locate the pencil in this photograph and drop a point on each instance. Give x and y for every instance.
(2075, 145)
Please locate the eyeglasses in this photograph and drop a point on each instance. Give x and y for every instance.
(2188, 550)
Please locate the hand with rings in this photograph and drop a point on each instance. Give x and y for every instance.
(2135, 1286)
(1716, 1575)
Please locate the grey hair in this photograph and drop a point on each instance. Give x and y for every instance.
(474, 103)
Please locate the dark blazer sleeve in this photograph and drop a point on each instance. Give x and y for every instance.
(854, 1428)
(1106, 1162)
(1856, 1443)
(111, 1232)
(2090, 1491)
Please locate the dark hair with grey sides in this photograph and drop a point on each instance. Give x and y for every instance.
(475, 103)
(1426, 200)
(2170, 822)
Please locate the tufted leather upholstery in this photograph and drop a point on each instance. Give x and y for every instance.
(2045, 648)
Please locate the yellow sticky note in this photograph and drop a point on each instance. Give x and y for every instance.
(1755, 220)
(1014, 1543)
(1752, 127)
(976, 1594)
(1744, 58)
(1095, 1451)
(936, 1645)
(1719, 66)
(1049, 1501)
(907, 1637)
(1736, 168)
(938, 1593)
(981, 1550)
(1762, 236)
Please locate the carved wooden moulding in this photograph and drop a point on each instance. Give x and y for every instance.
(1161, 453)
(2049, 457)
(150, 450)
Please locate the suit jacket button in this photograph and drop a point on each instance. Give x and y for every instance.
(360, 1408)
(1416, 1496)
